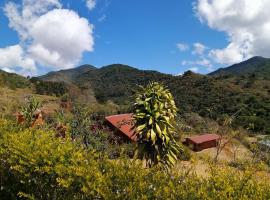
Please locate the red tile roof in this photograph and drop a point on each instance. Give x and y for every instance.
(124, 123)
(198, 139)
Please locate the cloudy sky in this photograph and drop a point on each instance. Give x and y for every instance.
(172, 36)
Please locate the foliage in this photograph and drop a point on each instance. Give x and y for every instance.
(49, 88)
(28, 110)
(87, 128)
(36, 165)
(154, 114)
(209, 96)
(13, 81)
(80, 124)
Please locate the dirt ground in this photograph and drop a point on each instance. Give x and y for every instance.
(227, 154)
(200, 160)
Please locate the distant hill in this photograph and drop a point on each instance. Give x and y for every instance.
(67, 76)
(13, 81)
(244, 86)
(258, 65)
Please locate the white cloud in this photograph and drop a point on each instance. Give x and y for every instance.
(60, 37)
(91, 4)
(182, 46)
(12, 58)
(204, 62)
(199, 48)
(21, 17)
(49, 35)
(246, 23)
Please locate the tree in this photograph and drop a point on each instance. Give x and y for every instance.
(230, 135)
(154, 113)
(80, 124)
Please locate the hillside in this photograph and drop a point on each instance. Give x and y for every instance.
(67, 76)
(12, 80)
(258, 65)
(216, 95)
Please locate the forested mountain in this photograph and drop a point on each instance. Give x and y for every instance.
(256, 65)
(243, 87)
(216, 95)
(68, 75)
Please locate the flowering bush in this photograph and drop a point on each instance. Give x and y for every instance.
(36, 165)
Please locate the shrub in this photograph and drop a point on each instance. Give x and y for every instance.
(36, 165)
(185, 153)
(80, 124)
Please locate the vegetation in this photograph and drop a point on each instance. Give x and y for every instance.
(36, 165)
(13, 81)
(211, 96)
(29, 110)
(49, 88)
(154, 114)
(88, 161)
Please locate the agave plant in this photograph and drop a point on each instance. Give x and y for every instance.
(154, 114)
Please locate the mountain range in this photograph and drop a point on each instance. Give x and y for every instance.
(242, 88)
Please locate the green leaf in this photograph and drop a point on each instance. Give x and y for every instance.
(153, 136)
(150, 120)
(140, 128)
(158, 129)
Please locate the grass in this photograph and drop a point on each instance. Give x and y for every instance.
(11, 100)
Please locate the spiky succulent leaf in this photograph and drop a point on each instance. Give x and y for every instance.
(154, 113)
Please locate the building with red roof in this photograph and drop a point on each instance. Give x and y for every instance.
(123, 123)
(201, 142)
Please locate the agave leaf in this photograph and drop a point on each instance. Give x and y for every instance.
(158, 129)
(150, 120)
(140, 128)
(153, 136)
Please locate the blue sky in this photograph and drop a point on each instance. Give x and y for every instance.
(169, 36)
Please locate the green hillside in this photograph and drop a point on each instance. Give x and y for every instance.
(244, 86)
(256, 65)
(67, 76)
(13, 81)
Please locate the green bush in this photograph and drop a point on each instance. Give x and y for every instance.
(185, 153)
(36, 165)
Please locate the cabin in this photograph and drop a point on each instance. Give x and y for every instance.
(122, 125)
(201, 142)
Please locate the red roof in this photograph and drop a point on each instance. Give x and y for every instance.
(124, 123)
(198, 139)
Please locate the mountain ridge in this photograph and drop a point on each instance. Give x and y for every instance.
(214, 96)
(252, 65)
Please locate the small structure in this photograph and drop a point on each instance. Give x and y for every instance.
(201, 142)
(123, 124)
